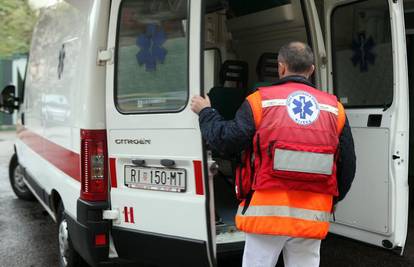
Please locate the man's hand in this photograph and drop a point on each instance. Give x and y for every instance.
(198, 103)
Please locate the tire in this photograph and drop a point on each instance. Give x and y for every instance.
(68, 256)
(16, 176)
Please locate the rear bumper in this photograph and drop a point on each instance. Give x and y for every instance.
(158, 249)
(84, 229)
(134, 247)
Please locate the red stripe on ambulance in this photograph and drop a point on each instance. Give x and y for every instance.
(198, 173)
(129, 215)
(112, 167)
(126, 214)
(62, 158)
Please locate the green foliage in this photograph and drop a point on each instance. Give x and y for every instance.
(16, 25)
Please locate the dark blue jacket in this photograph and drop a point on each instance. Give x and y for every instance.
(231, 137)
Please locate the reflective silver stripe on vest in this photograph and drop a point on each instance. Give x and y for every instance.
(329, 108)
(300, 161)
(282, 102)
(284, 211)
(273, 102)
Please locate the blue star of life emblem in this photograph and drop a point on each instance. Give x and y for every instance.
(302, 107)
(363, 54)
(150, 44)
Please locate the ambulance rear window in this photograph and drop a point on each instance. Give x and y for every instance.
(362, 54)
(152, 56)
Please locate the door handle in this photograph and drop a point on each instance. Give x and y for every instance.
(374, 120)
(394, 157)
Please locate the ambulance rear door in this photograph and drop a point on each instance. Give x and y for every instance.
(154, 141)
(368, 72)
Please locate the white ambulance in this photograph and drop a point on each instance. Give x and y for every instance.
(107, 142)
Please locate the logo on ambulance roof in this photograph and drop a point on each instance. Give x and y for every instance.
(302, 107)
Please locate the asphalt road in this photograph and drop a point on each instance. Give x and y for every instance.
(28, 234)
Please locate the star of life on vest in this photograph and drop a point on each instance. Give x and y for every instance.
(295, 145)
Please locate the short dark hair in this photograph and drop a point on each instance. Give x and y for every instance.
(297, 56)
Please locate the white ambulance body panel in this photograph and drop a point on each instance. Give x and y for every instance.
(63, 86)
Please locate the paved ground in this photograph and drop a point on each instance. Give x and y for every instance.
(28, 234)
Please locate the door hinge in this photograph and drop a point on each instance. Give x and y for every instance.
(324, 60)
(113, 215)
(213, 166)
(105, 56)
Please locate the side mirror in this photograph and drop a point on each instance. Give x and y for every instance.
(8, 99)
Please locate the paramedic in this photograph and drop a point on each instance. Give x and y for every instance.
(304, 161)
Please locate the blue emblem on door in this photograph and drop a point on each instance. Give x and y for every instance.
(302, 107)
(363, 54)
(150, 44)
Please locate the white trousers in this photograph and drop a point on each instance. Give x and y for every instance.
(264, 251)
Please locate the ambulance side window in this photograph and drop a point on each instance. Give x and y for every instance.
(362, 54)
(152, 56)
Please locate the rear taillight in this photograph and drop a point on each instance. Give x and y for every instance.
(94, 165)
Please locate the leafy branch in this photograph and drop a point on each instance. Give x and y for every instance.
(16, 25)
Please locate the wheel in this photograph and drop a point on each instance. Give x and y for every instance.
(68, 256)
(16, 176)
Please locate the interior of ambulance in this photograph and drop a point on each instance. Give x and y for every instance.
(241, 44)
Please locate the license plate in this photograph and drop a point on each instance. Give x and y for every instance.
(152, 178)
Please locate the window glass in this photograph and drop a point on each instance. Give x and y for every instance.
(362, 54)
(152, 56)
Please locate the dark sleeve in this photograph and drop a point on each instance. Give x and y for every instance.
(228, 137)
(347, 161)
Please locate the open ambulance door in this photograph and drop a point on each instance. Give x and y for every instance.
(158, 184)
(367, 69)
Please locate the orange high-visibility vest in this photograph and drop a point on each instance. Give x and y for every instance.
(281, 210)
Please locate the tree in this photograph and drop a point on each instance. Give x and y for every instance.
(16, 25)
